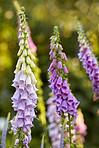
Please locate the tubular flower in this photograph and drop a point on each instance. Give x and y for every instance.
(88, 60)
(64, 99)
(25, 97)
(55, 126)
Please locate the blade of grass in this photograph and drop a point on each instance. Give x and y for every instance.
(42, 142)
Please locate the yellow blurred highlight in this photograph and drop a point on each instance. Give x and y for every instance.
(9, 14)
(5, 60)
(94, 40)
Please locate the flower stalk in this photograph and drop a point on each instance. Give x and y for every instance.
(88, 60)
(65, 101)
(25, 97)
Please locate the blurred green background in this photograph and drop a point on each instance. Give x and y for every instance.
(42, 16)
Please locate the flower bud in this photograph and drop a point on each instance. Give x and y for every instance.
(28, 60)
(59, 66)
(25, 52)
(23, 68)
(32, 64)
(28, 70)
(21, 42)
(18, 64)
(34, 81)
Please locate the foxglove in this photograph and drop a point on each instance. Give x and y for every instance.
(25, 97)
(65, 101)
(37, 72)
(88, 60)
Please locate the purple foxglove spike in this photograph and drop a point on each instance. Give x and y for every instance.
(58, 71)
(88, 60)
(59, 66)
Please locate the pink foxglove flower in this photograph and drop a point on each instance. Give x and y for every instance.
(25, 97)
(88, 60)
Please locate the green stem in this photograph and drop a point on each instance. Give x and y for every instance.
(70, 136)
